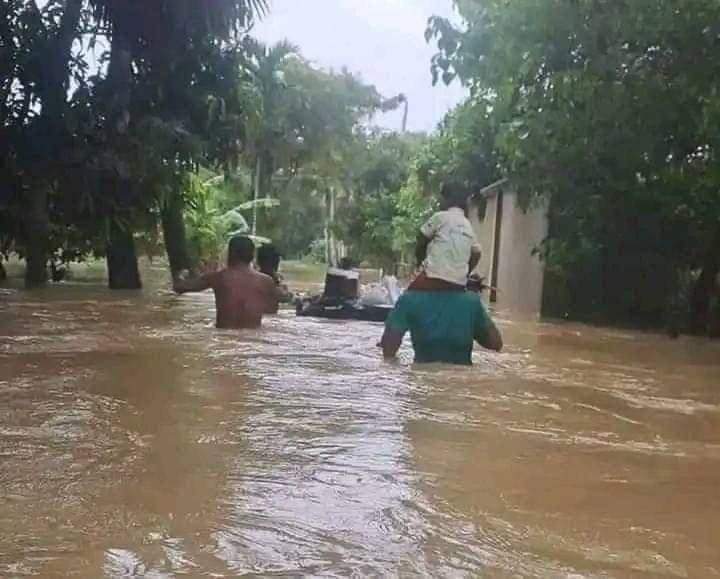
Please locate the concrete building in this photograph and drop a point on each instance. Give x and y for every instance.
(509, 236)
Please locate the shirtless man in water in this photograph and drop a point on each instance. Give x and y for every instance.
(242, 294)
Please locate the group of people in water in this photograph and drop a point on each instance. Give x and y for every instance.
(443, 316)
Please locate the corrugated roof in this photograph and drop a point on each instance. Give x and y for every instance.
(492, 189)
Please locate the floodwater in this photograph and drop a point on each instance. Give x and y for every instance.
(137, 440)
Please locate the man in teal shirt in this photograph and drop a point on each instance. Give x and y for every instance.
(443, 326)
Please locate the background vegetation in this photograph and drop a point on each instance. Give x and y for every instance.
(609, 109)
(132, 126)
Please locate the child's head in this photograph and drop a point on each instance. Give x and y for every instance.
(453, 194)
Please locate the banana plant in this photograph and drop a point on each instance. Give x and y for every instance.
(235, 220)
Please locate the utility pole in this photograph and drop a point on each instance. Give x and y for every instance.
(404, 100)
(331, 256)
(256, 193)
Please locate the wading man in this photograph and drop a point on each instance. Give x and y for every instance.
(443, 326)
(242, 294)
(443, 318)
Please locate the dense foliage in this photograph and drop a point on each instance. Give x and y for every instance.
(124, 119)
(164, 125)
(106, 106)
(610, 109)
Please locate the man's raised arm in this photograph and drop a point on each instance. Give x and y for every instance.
(195, 284)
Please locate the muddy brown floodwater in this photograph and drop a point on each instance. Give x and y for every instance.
(135, 439)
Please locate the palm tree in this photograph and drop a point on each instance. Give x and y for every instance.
(266, 68)
(158, 31)
(393, 103)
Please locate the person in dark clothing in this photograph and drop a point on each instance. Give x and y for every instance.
(268, 262)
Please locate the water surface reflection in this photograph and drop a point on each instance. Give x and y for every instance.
(137, 439)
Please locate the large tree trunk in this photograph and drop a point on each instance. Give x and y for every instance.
(53, 95)
(3, 273)
(174, 235)
(714, 325)
(122, 262)
(37, 232)
(705, 287)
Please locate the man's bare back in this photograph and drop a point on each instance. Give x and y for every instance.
(242, 295)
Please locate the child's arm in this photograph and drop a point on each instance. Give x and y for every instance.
(425, 236)
(475, 255)
(421, 248)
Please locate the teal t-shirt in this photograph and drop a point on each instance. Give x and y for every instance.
(442, 324)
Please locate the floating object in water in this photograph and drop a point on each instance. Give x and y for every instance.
(341, 310)
(340, 300)
(342, 283)
(385, 293)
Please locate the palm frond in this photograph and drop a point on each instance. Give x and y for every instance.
(265, 203)
(234, 219)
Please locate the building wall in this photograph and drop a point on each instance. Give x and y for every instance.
(520, 274)
(484, 230)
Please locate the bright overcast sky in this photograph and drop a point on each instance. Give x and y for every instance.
(380, 40)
